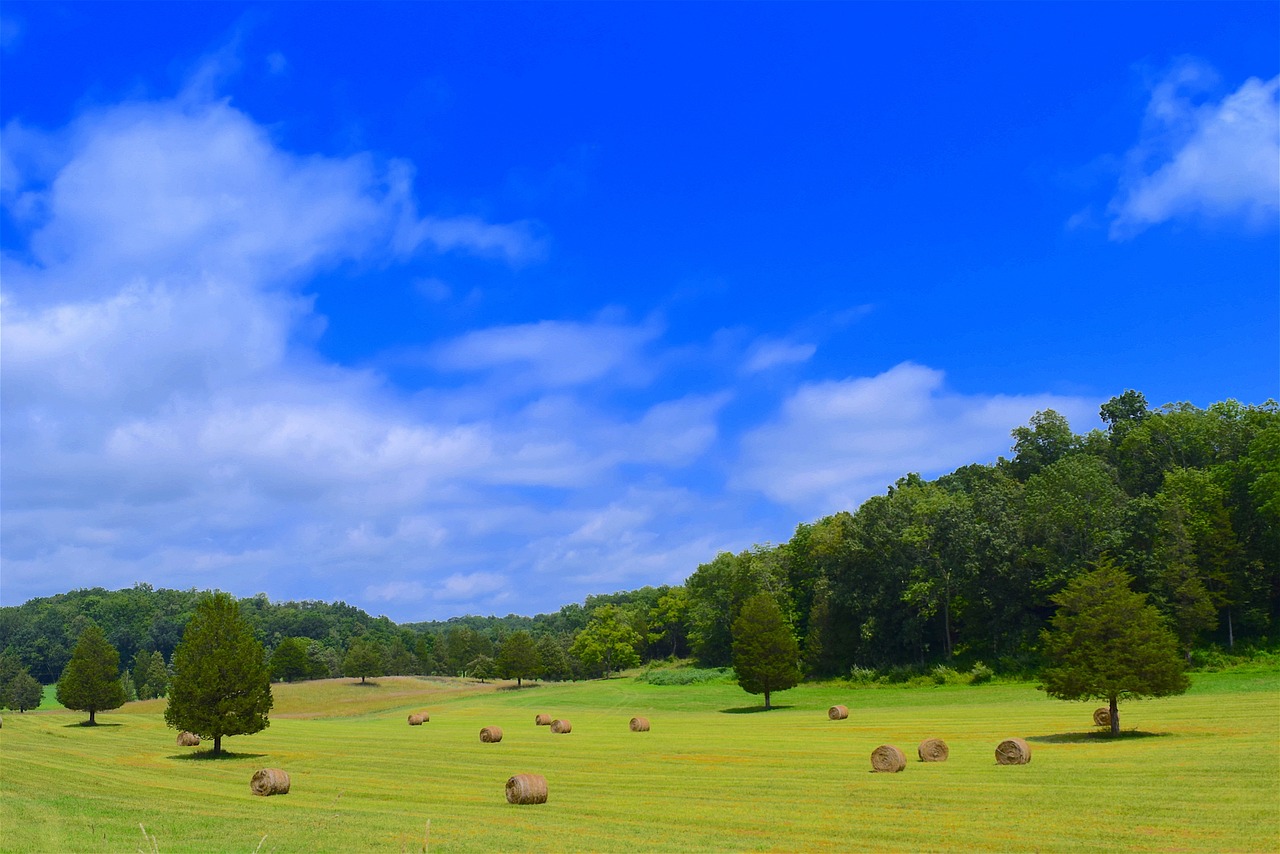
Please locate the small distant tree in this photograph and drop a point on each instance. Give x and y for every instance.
(608, 642)
(23, 693)
(766, 656)
(518, 657)
(157, 675)
(91, 680)
(364, 658)
(1107, 643)
(289, 661)
(481, 667)
(221, 685)
(126, 685)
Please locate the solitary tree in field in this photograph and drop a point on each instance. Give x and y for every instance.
(221, 685)
(1107, 643)
(23, 692)
(766, 656)
(364, 658)
(289, 661)
(91, 680)
(518, 657)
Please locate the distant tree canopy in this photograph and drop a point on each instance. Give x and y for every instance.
(958, 569)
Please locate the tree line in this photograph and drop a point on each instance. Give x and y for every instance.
(953, 571)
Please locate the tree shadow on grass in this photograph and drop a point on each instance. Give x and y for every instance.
(1099, 737)
(208, 756)
(519, 687)
(751, 710)
(88, 725)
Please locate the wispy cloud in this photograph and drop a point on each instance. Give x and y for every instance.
(1202, 159)
(835, 444)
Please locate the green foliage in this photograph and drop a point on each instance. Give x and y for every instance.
(482, 668)
(765, 653)
(91, 680)
(1107, 643)
(22, 692)
(608, 642)
(289, 661)
(363, 659)
(518, 657)
(980, 673)
(221, 684)
(686, 675)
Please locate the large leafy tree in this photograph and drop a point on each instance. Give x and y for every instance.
(1107, 643)
(221, 684)
(766, 656)
(91, 680)
(518, 657)
(608, 642)
(289, 660)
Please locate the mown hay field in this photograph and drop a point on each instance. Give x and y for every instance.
(1197, 772)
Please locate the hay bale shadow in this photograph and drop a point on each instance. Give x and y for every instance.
(751, 710)
(1094, 737)
(208, 756)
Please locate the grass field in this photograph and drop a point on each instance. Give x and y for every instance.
(1199, 772)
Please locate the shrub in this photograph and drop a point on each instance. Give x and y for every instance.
(980, 673)
(686, 676)
(862, 675)
(943, 675)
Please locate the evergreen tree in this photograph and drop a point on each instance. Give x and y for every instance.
(364, 658)
(91, 680)
(518, 657)
(23, 692)
(481, 668)
(221, 685)
(765, 653)
(157, 675)
(141, 675)
(1107, 643)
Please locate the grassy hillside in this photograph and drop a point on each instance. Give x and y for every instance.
(1197, 772)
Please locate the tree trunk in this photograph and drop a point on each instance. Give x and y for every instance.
(1115, 717)
(217, 745)
(766, 701)
(92, 722)
(1231, 635)
(517, 681)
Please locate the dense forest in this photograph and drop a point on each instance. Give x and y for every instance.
(952, 571)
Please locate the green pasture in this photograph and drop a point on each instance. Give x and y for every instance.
(1199, 772)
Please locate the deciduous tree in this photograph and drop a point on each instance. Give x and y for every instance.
(364, 658)
(608, 642)
(221, 684)
(23, 692)
(518, 657)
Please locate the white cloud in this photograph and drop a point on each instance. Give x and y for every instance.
(769, 353)
(1213, 160)
(837, 443)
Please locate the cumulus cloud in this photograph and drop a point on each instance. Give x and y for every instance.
(836, 443)
(1202, 159)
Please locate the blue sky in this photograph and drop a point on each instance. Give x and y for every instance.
(483, 308)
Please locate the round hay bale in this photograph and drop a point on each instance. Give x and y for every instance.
(418, 718)
(838, 713)
(639, 724)
(542, 720)
(887, 758)
(269, 781)
(1102, 717)
(1013, 751)
(491, 734)
(188, 739)
(933, 750)
(527, 789)
(560, 725)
